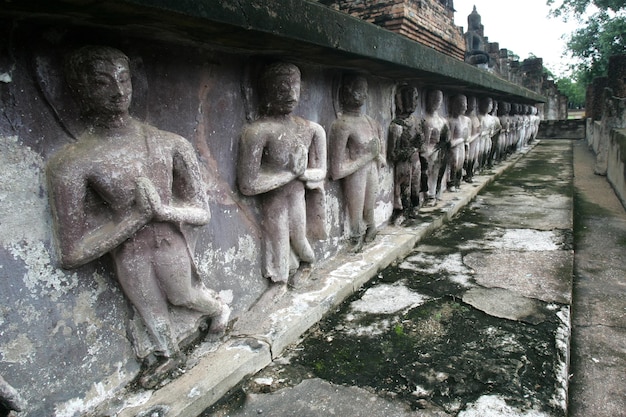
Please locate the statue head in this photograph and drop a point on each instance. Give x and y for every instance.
(458, 105)
(353, 91)
(406, 100)
(485, 105)
(471, 104)
(99, 77)
(280, 88)
(434, 99)
(504, 109)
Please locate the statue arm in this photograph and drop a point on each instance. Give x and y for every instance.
(341, 164)
(394, 133)
(315, 173)
(78, 243)
(253, 178)
(189, 204)
(382, 150)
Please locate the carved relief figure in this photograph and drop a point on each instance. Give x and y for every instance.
(436, 134)
(405, 143)
(281, 156)
(460, 126)
(505, 134)
(133, 191)
(474, 141)
(487, 130)
(496, 139)
(356, 153)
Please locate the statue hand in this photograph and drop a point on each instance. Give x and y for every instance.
(147, 197)
(375, 147)
(299, 160)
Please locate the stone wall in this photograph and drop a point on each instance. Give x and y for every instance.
(70, 338)
(616, 171)
(606, 97)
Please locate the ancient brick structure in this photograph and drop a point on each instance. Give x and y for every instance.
(429, 22)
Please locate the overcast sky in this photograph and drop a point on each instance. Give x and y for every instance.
(521, 26)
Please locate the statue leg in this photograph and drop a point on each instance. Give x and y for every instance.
(136, 275)
(369, 203)
(173, 267)
(354, 194)
(297, 222)
(276, 236)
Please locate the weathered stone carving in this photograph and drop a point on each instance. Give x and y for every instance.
(495, 153)
(133, 191)
(474, 141)
(282, 157)
(406, 141)
(506, 136)
(436, 134)
(488, 130)
(356, 153)
(460, 126)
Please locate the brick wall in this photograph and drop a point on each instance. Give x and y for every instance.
(428, 22)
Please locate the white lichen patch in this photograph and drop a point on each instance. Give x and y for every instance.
(244, 253)
(18, 350)
(99, 392)
(42, 278)
(23, 206)
(25, 224)
(517, 239)
(495, 406)
(388, 299)
(449, 265)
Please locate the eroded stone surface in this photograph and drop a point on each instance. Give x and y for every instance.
(545, 276)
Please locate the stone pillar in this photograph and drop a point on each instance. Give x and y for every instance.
(597, 85)
(617, 75)
(613, 110)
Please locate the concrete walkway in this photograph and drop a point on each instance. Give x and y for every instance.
(536, 208)
(598, 365)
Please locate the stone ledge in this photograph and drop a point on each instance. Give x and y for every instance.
(280, 27)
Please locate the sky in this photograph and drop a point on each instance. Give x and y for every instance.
(521, 26)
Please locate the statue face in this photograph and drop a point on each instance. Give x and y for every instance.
(435, 98)
(354, 92)
(460, 104)
(283, 93)
(107, 87)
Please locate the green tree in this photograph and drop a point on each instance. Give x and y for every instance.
(574, 91)
(602, 34)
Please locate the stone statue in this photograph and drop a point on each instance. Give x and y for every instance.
(474, 141)
(487, 130)
(133, 191)
(436, 135)
(460, 126)
(505, 134)
(356, 154)
(497, 138)
(281, 156)
(405, 144)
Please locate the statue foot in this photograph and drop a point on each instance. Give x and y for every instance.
(152, 377)
(219, 322)
(370, 234)
(357, 244)
(303, 272)
(414, 214)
